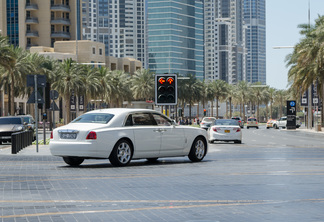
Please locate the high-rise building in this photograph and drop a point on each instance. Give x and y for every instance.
(119, 24)
(224, 40)
(39, 23)
(255, 22)
(176, 37)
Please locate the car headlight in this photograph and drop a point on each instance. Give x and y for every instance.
(17, 128)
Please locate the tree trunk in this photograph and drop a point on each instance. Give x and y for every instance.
(216, 107)
(67, 109)
(230, 104)
(12, 95)
(212, 108)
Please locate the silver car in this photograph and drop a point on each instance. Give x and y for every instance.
(10, 125)
(207, 122)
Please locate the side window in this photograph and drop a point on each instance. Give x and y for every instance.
(161, 120)
(129, 121)
(142, 119)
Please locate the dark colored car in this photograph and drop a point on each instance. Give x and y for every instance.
(10, 125)
(31, 124)
(240, 121)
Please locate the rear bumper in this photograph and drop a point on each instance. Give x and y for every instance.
(78, 149)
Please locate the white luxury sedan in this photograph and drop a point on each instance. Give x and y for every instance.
(125, 134)
(225, 130)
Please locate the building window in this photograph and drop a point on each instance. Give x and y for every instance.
(93, 50)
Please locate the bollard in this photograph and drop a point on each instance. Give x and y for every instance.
(21, 140)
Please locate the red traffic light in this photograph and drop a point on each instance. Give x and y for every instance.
(170, 80)
(162, 80)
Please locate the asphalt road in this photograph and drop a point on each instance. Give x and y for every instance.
(275, 175)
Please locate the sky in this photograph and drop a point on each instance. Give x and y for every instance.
(282, 19)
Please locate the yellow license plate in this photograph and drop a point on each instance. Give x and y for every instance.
(227, 131)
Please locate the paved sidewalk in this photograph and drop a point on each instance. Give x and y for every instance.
(43, 150)
(313, 130)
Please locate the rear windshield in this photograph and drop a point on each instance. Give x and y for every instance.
(5, 121)
(208, 119)
(237, 118)
(251, 119)
(101, 118)
(226, 122)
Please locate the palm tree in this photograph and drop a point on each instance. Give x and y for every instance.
(67, 82)
(230, 97)
(257, 92)
(242, 94)
(189, 91)
(106, 86)
(15, 73)
(280, 97)
(307, 61)
(143, 85)
(91, 83)
(7, 57)
(220, 90)
(120, 87)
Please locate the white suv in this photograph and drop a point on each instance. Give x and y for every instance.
(282, 122)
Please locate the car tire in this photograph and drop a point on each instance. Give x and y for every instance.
(198, 150)
(247, 127)
(122, 153)
(257, 127)
(238, 141)
(73, 161)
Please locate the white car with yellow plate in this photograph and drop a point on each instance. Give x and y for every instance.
(225, 130)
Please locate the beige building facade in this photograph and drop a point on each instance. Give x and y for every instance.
(42, 22)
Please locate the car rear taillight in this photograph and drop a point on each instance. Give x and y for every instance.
(92, 136)
(238, 129)
(239, 121)
(51, 135)
(214, 129)
(256, 122)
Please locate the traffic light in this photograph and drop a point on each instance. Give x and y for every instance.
(166, 89)
(205, 112)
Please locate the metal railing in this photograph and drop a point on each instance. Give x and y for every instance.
(21, 140)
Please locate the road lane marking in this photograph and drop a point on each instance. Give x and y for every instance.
(210, 203)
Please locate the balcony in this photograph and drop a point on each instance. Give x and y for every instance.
(31, 7)
(32, 34)
(31, 20)
(60, 21)
(60, 8)
(30, 45)
(65, 35)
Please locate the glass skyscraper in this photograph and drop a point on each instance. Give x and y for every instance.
(255, 21)
(12, 22)
(224, 40)
(119, 24)
(176, 37)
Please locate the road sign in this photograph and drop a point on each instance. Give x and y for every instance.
(166, 89)
(291, 114)
(54, 94)
(41, 80)
(54, 106)
(31, 99)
